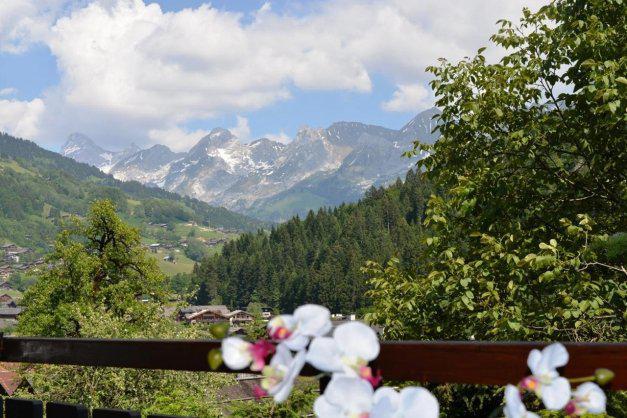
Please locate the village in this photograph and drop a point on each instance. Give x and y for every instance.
(16, 259)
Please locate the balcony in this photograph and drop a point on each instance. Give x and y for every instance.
(433, 361)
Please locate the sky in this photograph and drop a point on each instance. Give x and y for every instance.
(168, 71)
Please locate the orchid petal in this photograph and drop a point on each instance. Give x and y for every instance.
(313, 320)
(236, 353)
(533, 361)
(419, 403)
(590, 397)
(325, 355)
(296, 342)
(385, 402)
(353, 393)
(323, 409)
(283, 390)
(357, 339)
(554, 356)
(555, 395)
(514, 407)
(279, 322)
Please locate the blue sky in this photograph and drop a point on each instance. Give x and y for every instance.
(169, 71)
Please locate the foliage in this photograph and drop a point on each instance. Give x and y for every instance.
(95, 288)
(39, 188)
(195, 250)
(510, 253)
(525, 239)
(300, 403)
(318, 259)
(97, 264)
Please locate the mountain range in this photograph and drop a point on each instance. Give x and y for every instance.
(267, 179)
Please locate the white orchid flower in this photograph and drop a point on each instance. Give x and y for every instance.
(296, 330)
(348, 396)
(345, 397)
(587, 398)
(412, 402)
(350, 349)
(279, 375)
(545, 380)
(514, 407)
(238, 354)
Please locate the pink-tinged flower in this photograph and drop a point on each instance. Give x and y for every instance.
(365, 373)
(514, 407)
(588, 398)
(545, 380)
(239, 354)
(279, 375)
(259, 392)
(296, 330)
(259, 351)
(350, 349)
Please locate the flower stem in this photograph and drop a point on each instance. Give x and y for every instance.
(582, 379)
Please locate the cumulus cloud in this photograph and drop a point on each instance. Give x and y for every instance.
(21, 118)
(23, 22)
(409, 98)
(241, 130)
(132, 72)
(7, 91)
(281, 137)
(176, 138)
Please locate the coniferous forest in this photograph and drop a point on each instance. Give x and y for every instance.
(319, 259)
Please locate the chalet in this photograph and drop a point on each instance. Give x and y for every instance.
(169, 258)
(6, 301)
(10, 313)
(187, 311)
(154, 247)
(8, 247)
(10, 379)
(5, 272)
(239, 317)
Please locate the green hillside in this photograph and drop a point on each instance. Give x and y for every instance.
(318, 259)
(40, 189)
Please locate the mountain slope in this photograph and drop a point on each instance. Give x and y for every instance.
(39, 187)
(81, 148)
(318, 258)
(273, 181)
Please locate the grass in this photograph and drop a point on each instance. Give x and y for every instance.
(183, 264)
(13, 165)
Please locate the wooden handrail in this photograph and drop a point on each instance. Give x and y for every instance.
(476, 362)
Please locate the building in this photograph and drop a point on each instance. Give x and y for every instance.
(239, 317)
(6, 301)
(154, 247)
(10, 379)
(10, 313)
(187, 312)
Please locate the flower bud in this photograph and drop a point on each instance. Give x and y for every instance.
(603, 376)
(215, 358)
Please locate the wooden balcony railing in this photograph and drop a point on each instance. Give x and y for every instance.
(475, 362)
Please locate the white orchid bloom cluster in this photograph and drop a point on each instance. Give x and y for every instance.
(353, 390)
(302, 338)
(554, 390)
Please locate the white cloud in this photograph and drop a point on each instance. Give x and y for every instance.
(242, 129)
(21, 118)
(281, 137)
(130, 71)
(7, 91)
(176, 138)
(23, 22)
(409, 98)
